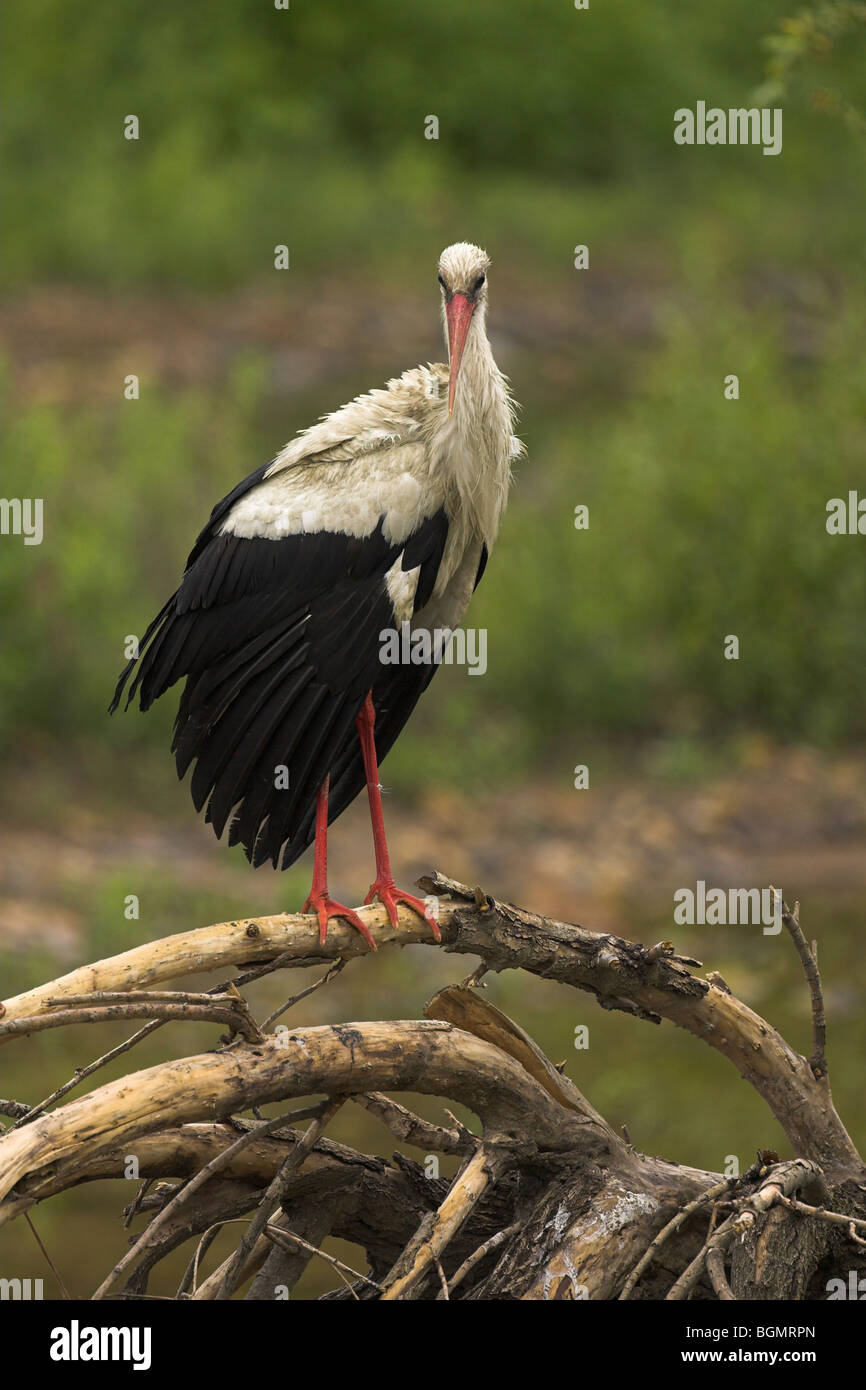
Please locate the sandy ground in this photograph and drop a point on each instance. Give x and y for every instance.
(792, 818)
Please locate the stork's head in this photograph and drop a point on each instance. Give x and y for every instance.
(463, 278)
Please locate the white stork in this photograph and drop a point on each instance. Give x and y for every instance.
(382, 513)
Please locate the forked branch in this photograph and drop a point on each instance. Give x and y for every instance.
(650, 983)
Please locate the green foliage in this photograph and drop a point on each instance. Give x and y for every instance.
(810, 45)
(122, 489)
(305, 126)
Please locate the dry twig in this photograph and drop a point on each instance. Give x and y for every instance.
(436, 1231)
(501, 1238)
(682, 1216)
(284, 1238)
(411, 1129)
(809, 961)
(216, 1165)
(230, 1278)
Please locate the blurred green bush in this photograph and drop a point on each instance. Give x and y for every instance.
(306, 125)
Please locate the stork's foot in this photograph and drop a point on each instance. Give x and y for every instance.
(326, 907)
(390, 896)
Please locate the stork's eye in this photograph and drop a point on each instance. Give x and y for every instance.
(442, 282)
(479, 282)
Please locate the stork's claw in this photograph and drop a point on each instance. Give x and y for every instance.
(390, 895)
(326, 907)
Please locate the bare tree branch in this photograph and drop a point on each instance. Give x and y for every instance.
(411, 1129)
(290, 1239)
(14, 1109)
(781, 1181)
(620, 974)
(216, 1165)
(228, 1013)
(711, 1195)
(278, 1188)
(570, 1206)
(809, 961)
(718, 1278)
(325, 979)
(436, 1231)
(28, 1114)
(428, 1056)
(489, 1246)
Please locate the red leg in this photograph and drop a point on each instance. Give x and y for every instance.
(319, 900)
(384, 887)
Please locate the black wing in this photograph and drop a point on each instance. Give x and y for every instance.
(279, 642)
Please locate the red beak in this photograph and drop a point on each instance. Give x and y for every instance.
(458, 312)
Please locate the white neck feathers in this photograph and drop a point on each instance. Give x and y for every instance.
(474, 444)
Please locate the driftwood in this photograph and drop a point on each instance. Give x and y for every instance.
(549, 1201)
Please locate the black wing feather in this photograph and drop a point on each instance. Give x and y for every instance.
(279, 644)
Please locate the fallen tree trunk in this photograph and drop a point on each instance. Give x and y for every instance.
(550, 1202)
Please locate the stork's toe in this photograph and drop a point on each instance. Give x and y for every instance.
(390, 896)
(325, 907)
